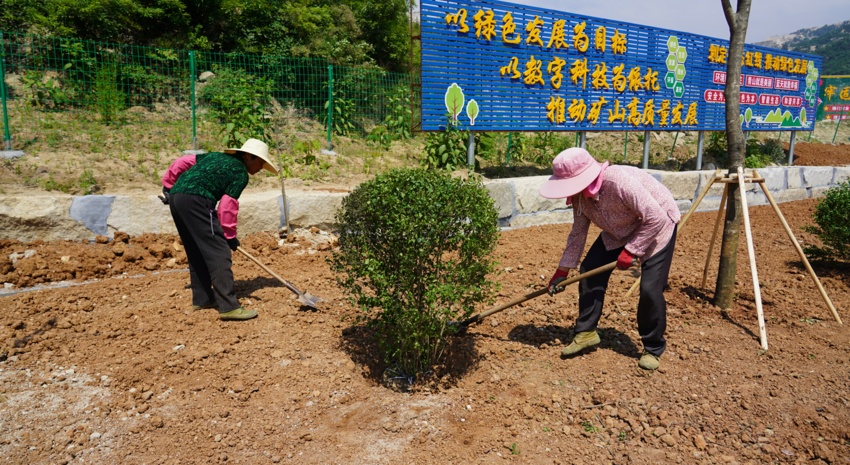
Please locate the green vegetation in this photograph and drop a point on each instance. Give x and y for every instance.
(832, 218)
(415, 253)
(237, 101)
(832, 42)
(759, 152)
(345, 32)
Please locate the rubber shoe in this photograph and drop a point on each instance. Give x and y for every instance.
(204, 307)
(238, 314)
(581, 342)
(649, 362)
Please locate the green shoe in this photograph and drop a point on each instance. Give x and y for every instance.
(238, 314)
(649, 362)
(580, 342)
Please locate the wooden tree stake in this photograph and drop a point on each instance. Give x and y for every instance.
(752, 254)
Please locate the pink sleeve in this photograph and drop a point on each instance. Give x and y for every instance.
(575, 242)
(178, 167)
(228, 210)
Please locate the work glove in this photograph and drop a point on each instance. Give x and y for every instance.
(559, 276)
(166, 196)
(233, 243)
(625, 260)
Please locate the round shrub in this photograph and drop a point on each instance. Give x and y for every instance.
(832, 216)
(415, 255)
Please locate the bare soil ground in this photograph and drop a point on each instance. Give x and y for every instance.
(113, 365)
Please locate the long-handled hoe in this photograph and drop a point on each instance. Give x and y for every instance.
(461, 327)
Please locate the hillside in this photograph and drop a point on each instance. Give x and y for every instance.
(832, 42)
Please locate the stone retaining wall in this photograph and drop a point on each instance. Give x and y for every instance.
(64, 217)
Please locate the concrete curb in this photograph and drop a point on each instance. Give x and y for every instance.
(63, 217)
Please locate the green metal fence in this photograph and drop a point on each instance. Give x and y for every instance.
(125, 94)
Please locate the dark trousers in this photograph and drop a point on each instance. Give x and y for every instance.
(209, 256)
(652, 307)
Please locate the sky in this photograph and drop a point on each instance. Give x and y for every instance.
(768, 18)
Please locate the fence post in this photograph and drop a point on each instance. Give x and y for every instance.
(508, 151)
(6, 134)
(192, 100)
(700, 145)
(330, 103)
(791, 148)
(470, 151)
(840, 117)
(626, 146)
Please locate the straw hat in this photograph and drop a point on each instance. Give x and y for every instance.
(573, 170)
(257, 148)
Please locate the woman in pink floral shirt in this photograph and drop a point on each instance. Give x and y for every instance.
(638, 217)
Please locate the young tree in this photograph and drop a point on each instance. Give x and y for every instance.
(738, 20)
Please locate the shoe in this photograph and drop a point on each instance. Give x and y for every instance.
(203, 307)
(238, 314)
(581, 341)
(649, 362)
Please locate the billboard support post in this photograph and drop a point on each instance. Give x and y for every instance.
(700, 146)
(791, 148)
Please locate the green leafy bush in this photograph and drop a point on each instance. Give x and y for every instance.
(758, 153)
(832, 215)
(400, 119)
(342, 116)
(238, 100)
(44, 93)
(414, 255)
(446, 149)
(109, 100)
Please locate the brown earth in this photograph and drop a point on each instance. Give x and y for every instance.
(120, 369)
(810, 154)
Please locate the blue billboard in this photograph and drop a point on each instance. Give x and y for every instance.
(498, 66)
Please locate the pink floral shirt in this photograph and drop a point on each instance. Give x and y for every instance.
(228, 207)
(632, 208)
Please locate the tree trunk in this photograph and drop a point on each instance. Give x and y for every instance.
(724, 290)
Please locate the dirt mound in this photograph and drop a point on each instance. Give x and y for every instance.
(122, 370)
(806, 154)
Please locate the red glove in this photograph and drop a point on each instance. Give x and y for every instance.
(559, 276)
(625, 260)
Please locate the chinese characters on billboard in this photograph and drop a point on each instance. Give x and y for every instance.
(504, 67)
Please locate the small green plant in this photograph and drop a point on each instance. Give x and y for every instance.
(515, 449)
(380, 135)
(45, 93)
(623, 436)
(87, 182)
(342, 116)
(109, 100)
(832, 218)
(415, 254)
(446, 149)
(773, 151)
(399, 121)
(588, 427)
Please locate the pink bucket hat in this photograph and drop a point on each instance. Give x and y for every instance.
(573, 170)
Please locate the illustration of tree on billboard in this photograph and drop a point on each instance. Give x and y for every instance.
(472, 111)
(454, 101)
